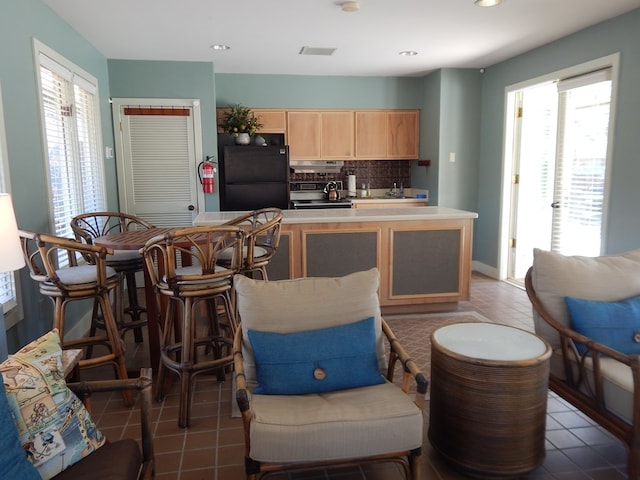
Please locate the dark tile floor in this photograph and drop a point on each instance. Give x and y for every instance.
(212, 448)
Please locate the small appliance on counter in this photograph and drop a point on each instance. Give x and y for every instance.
(317, 195)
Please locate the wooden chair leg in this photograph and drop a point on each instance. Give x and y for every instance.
(116, 344)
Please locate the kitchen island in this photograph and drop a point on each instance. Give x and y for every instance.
(423, 253)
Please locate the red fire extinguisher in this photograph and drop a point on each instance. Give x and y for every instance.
(206, 173)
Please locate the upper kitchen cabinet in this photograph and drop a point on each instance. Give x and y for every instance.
(403, 134)
(326, 135)
(337, 135)
(387, 134)
(304, 134)
(273, 121)
(371, 134)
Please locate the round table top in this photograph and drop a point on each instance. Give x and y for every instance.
(489, 341)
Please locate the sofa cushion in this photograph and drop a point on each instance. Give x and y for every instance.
(614, 324)
(53, 426)
(114, 461)
(302, 304)
(606, 278)
(335, 425)
(316, 361)
(13, 458)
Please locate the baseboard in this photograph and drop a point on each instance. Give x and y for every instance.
(485, 269)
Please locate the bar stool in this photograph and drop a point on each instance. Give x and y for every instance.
(183, 267)
(54, 263)
(262, 230)
(127, 263)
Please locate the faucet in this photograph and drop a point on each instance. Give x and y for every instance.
(393, 190)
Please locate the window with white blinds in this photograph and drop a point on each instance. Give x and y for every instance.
(583, 130)
(72, 135)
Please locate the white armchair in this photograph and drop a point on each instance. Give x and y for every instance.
(336, 404)
(601, 381)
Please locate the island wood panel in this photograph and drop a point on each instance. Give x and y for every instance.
(404, 251)
(425, 262)
(335, 254)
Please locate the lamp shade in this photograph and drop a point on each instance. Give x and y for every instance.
(10, 252)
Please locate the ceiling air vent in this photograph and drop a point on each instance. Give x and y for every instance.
(317, 51)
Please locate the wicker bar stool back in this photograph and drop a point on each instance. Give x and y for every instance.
(262, 228)
(57, 264)
(127, 263)
(183, 268)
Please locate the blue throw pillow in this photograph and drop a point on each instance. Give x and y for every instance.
(614, 324)
(316, 361)
(13, 458)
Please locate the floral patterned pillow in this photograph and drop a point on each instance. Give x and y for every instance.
(54, 428)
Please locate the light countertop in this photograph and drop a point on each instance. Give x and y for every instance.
(344, 215)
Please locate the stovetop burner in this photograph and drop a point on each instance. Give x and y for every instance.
(312, 195)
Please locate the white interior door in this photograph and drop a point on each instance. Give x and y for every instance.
(158, 149)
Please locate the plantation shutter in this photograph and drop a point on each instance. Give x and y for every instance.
(583, 129)
(160, 175)
(72, 133)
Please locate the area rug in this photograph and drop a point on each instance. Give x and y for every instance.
(413, 331)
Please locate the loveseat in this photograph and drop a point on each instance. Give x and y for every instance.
(588, 309)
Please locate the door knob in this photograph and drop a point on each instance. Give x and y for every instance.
(555, 205)
(191, 208)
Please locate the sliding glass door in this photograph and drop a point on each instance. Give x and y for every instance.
(559, 158)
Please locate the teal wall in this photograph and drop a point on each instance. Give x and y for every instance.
(184, 80)
(300, 91)
(621, 34)
(20, 22)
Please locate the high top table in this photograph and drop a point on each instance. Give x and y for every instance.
(489, 397)
(135, 240)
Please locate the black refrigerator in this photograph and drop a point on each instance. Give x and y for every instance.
(253, 177)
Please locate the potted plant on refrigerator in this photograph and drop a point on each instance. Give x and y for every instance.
(240, 122)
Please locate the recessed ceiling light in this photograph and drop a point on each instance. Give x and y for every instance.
(408, 53)
(488, 3)
(219, 46)
(350, 6)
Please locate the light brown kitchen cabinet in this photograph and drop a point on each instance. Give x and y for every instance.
(337, 139)
(273, 121)
(304, 135)
(371, 134)
(387, 134)
(314, 135)
(402, 134)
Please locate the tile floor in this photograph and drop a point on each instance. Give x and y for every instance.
(212, 448)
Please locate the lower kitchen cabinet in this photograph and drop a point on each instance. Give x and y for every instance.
(424, 265)
(423, 253)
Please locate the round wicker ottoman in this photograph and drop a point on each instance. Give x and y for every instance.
(488, 398)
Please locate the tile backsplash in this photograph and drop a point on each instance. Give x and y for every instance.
(377, 173)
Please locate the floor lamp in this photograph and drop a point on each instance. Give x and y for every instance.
(10, 256)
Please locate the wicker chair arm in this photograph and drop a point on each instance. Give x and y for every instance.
(142, 384)
(242, 394)
(411, 370)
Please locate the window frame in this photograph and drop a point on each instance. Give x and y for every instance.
(45, 57)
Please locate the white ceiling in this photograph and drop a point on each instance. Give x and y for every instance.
(265, 36)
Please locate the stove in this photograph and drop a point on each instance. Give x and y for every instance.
(311, 195)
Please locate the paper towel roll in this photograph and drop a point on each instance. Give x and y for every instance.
(351, 185)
